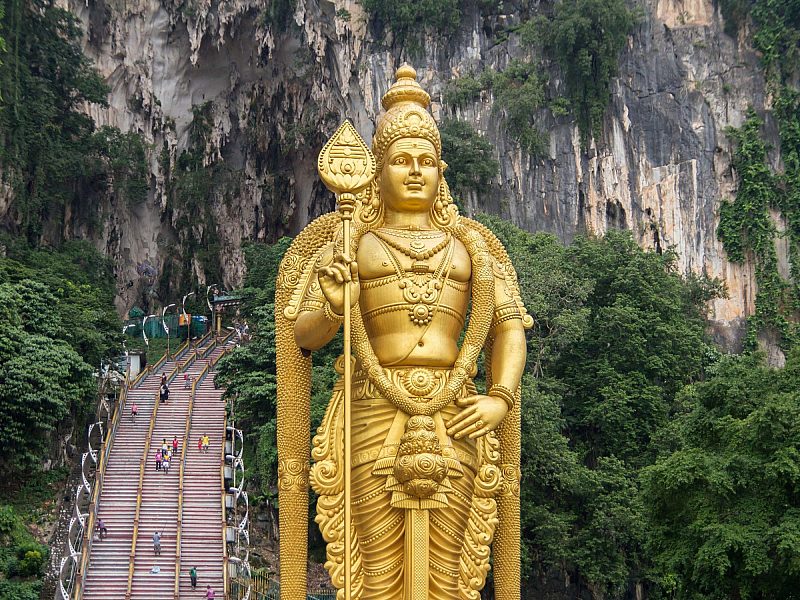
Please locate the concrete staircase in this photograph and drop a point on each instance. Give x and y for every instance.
(129, 542)
(201, 539)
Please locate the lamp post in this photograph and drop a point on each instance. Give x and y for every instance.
(144, 333)
(186, 318)
(127, 356)
(213, 286)
(164, 324)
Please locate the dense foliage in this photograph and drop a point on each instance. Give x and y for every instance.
(747, 230)
(249, 371)
(617, 333)
(586, 37)
(519, 93)
(409, 20)
(21, 558)
(724, 494)
(57, 322)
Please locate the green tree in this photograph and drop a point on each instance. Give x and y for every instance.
(582, 512)
(518, 94)
(57, 322)
(249, 371)
(42, 378)
(723, 495)
(409, 20)
(21, 558)
(123, 157)
(746, 229)
(471, 164)
(645, 339)
(81, 283)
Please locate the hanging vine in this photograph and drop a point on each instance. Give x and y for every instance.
(746, 228)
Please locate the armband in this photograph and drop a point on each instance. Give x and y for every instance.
(332, 316)
(501, 391)
(506, 312)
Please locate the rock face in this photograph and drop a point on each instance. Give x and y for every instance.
(279, 82)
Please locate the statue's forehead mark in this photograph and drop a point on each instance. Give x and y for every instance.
(411, 144)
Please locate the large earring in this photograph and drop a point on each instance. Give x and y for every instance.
(444, 212)
(371, 207)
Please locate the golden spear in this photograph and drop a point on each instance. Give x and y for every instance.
(346, 165)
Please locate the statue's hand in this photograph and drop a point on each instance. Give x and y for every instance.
(332, 279)
(479, 415)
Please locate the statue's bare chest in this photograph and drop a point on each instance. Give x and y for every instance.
(432, 256)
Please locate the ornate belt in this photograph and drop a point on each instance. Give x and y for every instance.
(422, 384)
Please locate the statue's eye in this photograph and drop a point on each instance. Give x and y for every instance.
(400, 160)
(427, 162)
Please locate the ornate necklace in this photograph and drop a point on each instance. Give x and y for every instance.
(414, 234)
(421, 289)
(417, 251)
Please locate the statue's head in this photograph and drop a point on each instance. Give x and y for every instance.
(408, 151)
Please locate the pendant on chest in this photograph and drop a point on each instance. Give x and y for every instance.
(421, 292)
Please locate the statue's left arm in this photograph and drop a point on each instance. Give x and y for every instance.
(483, 413)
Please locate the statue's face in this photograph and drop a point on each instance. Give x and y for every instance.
(409, 179)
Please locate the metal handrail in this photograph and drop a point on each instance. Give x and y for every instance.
(225, 559)
(142, 466)
(225, 582)
(158, 363)
(80, 577)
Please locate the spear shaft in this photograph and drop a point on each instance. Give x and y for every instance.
(346, 166)
(346, 205)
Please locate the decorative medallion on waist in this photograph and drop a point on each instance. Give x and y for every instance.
(420, 382)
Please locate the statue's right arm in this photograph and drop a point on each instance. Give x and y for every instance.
(313, 329)
(322, 309)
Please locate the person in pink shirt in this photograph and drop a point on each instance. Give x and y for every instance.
(158, 459)
(209, 593)
(134, 411)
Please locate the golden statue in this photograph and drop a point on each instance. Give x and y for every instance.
(433, 476)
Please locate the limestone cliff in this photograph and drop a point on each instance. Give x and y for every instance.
(273, 85)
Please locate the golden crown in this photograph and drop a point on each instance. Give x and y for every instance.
(406, 105)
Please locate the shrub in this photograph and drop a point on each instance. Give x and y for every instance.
(519, 93)
(31, 558)
(470, 158)
(408, 18)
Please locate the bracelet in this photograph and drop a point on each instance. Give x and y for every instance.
(501, 391)
(330, 315)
